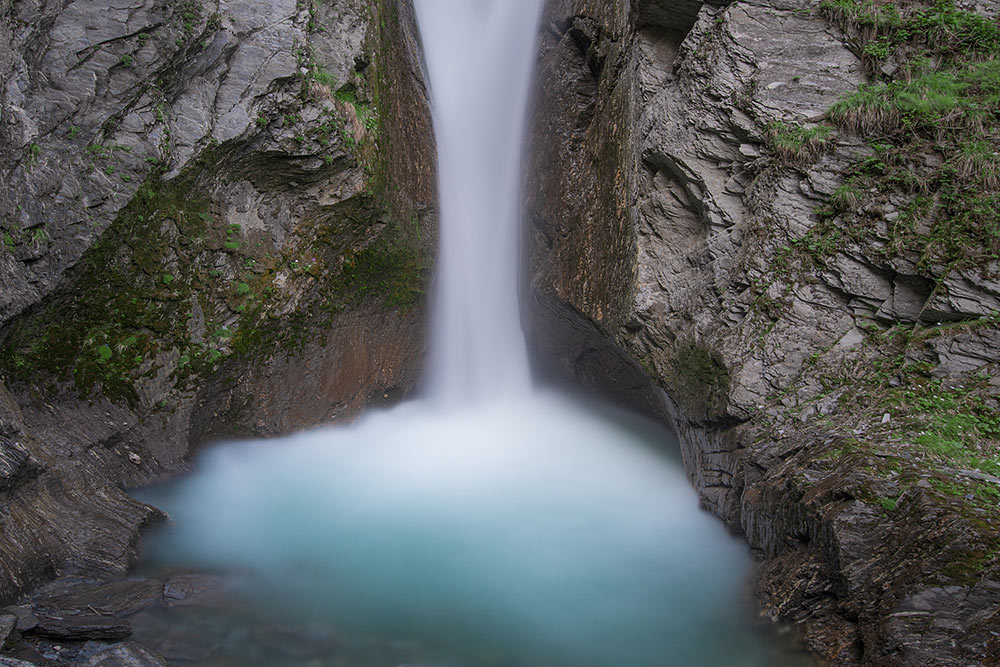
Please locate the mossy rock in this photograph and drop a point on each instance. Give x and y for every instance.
(699, 380)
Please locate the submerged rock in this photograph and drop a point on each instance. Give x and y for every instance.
(119, 598)
(127, 654)
(193, 589)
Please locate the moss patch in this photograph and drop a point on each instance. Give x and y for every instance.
(123, 308)
(699, 380)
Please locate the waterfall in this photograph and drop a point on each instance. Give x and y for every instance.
(479, 56)
(515, 527)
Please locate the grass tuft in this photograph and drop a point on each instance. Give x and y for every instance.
(795, 144)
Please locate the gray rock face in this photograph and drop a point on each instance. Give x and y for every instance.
(755, 340)
(194, 194)
(8, 624)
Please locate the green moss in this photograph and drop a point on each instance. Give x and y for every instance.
(843, 448)
(132, 296)
(117, 312)
(699, 379)
(390, 268)
(967, 565)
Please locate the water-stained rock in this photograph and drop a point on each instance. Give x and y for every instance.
(118, 598)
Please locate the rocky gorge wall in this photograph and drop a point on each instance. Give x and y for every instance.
(216, 221)
(761, 222)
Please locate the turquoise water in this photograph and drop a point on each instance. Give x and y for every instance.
(532, 532)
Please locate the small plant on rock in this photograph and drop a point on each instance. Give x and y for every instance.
(797, 145)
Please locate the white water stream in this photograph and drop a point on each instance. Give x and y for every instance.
(479, 55)
(490, 523)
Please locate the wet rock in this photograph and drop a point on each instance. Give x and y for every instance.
(127, 654)
(186, 646)
(82, 627)
(26, 618)
(8, 626)
(99, 100)
(119, 598)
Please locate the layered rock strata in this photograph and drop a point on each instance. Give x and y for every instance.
(216, 222)
(833, 389)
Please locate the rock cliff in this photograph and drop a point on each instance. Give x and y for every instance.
(216, 221)
(774, 224)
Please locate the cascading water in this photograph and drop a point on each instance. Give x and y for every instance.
(478, 55)
(518, 528)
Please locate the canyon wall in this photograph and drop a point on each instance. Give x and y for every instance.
(801, 286)
(217, 221)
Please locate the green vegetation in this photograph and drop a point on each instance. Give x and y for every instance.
(953, 425)
(939, 427)
(879, 28)
(699, 379)
(34, 152)
(321, 76)
(978, 160)
(931, 102)
(942, 98)
(166, 281)
(846, 197)
(108, 329)
(888, 504)
(797, 145)
(117, 312)
(392, 267)
(233, 234)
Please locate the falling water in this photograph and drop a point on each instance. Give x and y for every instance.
(519, 529)
(478, 55)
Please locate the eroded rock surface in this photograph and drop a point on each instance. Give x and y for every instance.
(683, 263)
(216, 221)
